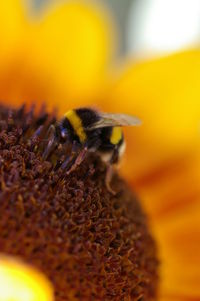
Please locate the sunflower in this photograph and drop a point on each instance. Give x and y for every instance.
(65, 56)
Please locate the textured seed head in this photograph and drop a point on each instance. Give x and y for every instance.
(92, 245)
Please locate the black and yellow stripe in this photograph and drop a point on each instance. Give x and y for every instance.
(76, 124)
(77, 120)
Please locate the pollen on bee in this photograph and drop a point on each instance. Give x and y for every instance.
(116, 135)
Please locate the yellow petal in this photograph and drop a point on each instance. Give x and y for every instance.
(170, 186)
(179, 245)
(170, 194)
(163, 160)
(165, 94)
(71, 47)
(12, 26)
(13, 32)
(64, 57)
(20, 282)
(175, 297)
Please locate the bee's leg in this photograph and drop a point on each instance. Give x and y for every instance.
(72, 157)
(52, 142)
(115, 156)
(108, 178)
(78, 160)
(92, 144)
(109, 173)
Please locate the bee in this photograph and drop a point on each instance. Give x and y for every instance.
(93, 131)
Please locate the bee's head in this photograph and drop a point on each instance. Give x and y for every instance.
(64, 132)
(65, 129)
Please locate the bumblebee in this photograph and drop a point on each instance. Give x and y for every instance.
(90, 130)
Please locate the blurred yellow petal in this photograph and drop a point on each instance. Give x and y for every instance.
(170, 194)
(178, 238)
(20, 282)
(180, 297)
(64, 59)
(170, 186)
(13, 32)
(165, 160)
(165, 94)
(13, 24)
(71, 48)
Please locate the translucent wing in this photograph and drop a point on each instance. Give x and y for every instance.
(112, 119)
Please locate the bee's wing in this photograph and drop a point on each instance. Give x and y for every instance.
(112, 119)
